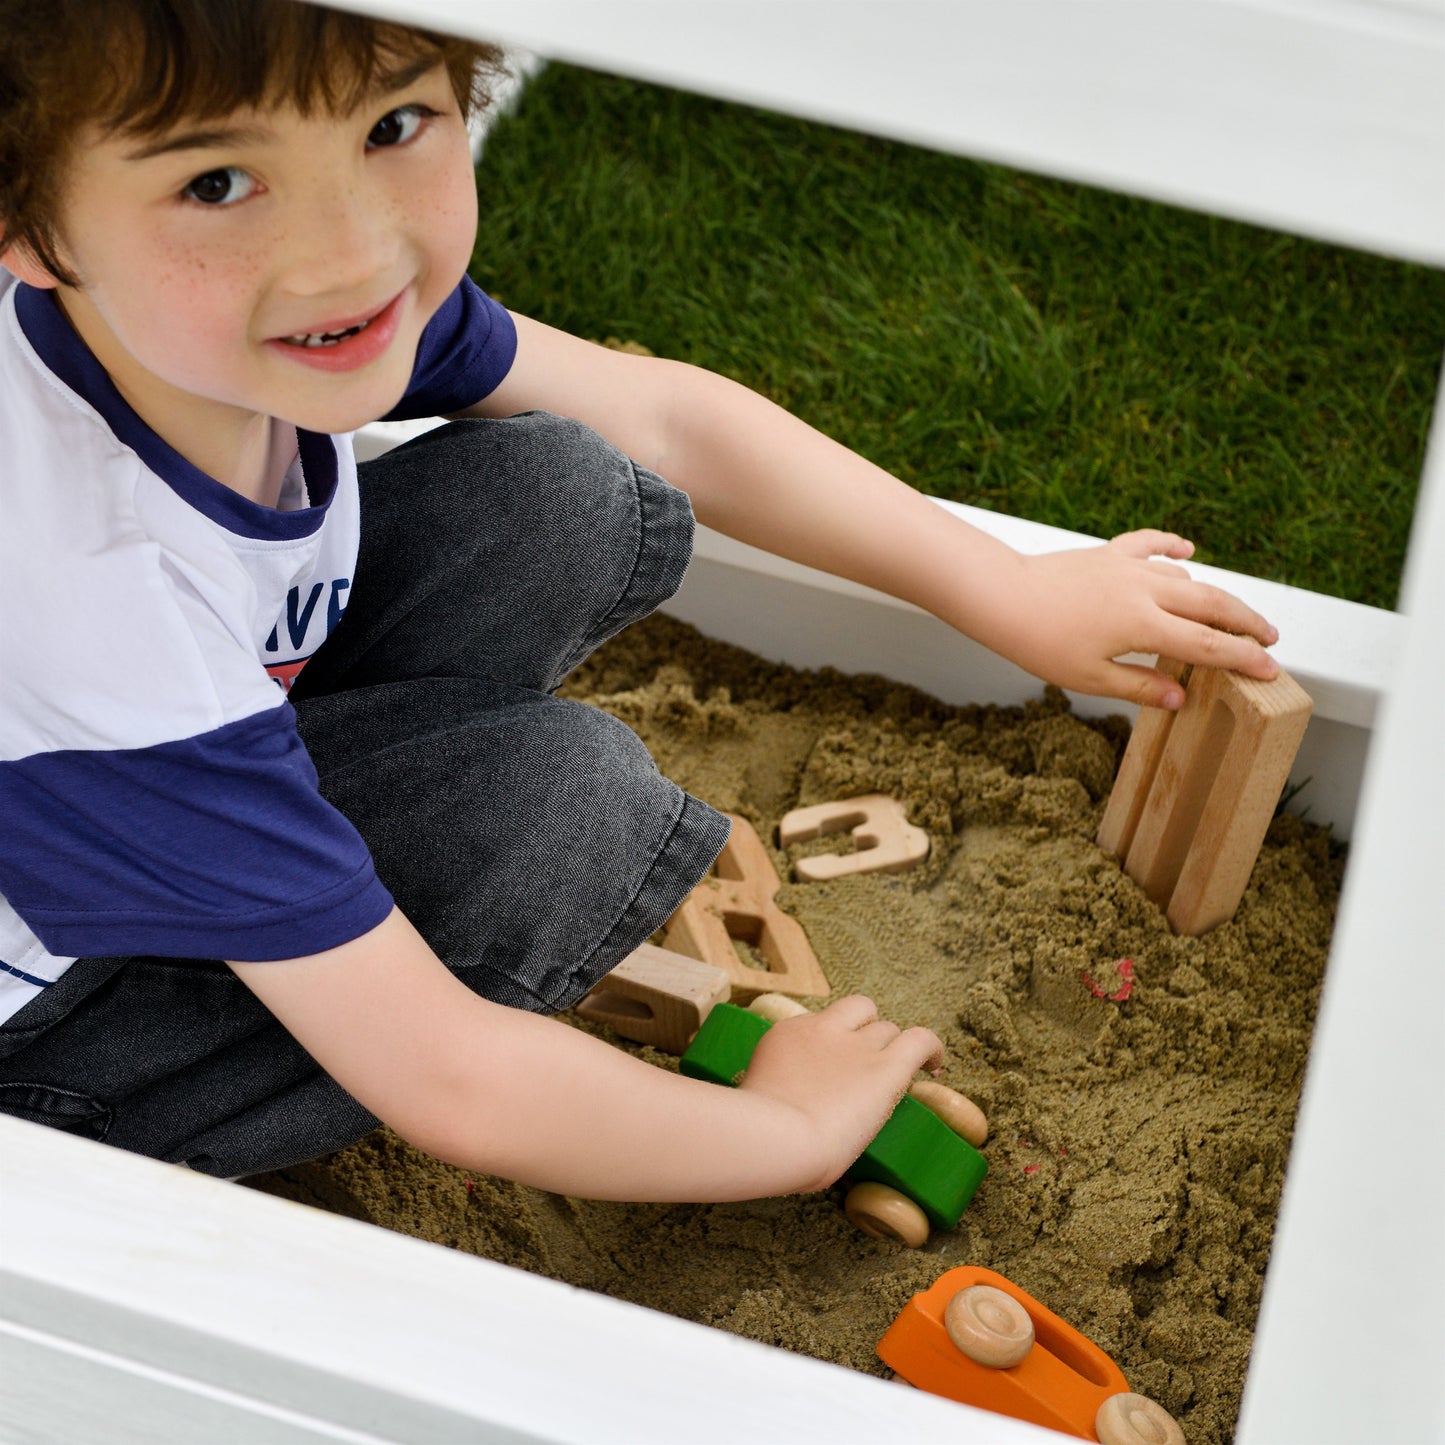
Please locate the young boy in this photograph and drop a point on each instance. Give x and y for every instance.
(297, 835)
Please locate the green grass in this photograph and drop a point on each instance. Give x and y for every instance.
(1041, 348)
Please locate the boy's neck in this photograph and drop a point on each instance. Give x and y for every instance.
(246, 451)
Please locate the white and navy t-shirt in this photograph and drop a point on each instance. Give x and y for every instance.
(154, 795)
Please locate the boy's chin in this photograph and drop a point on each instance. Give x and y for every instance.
(341, 416)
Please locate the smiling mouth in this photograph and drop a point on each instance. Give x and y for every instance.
(325, 338)
(345, 345)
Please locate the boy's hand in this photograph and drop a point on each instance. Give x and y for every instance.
(1079, 610)
(843, 1070)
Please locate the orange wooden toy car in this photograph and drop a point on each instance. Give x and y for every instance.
(976, 1337)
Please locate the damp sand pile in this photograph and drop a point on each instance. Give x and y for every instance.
(1138, 1135)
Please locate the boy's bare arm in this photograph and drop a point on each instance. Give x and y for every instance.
(511, 1093)
(759, 474)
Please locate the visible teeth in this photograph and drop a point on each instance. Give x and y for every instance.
(325, 338)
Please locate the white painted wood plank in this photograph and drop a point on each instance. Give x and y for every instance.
(203, 1304)
(61, 1393)
(1352, 1332)
(1323, 117)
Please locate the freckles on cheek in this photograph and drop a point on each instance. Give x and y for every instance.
(452, 196)
(210, 266)
(455, 226)
(198, 289)
(196, 329)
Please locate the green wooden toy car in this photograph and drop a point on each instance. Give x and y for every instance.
(915, 1153)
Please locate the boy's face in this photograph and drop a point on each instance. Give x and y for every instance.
(271, 263)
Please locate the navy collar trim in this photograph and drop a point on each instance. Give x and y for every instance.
(68, 357)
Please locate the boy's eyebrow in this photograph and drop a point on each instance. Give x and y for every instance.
(389, 82)
(242, 135)
(187, 140)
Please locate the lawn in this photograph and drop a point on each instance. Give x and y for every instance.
(1046, 349)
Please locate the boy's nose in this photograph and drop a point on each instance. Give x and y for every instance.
(342, 242)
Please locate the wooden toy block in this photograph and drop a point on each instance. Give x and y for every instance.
(1061, 1381)
(884, 839)
(1136, 772)
(738, 904)
(658, 997)
(724, 1045)
(915, 1152)
(1197, 789)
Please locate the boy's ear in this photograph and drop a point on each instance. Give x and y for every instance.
(20, 262)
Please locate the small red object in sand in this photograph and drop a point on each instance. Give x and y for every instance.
(470, 1185)
(1031, 1168)
(1124, 968)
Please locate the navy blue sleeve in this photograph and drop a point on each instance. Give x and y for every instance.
(465, 351)
(215, 846)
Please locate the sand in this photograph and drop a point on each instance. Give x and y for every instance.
(1138, 1143)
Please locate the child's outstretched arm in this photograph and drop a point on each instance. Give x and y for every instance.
(759, 474)
(506, 1092)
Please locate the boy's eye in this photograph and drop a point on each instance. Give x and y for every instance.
(398, 126)
(220, 188)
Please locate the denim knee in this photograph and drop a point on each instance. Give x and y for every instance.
(530, 838)
(506, 549)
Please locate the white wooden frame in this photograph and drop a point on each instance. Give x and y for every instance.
(140, 1303)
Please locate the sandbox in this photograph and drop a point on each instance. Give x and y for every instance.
(142, 1303)
(1140, 1086)
(302, 1320)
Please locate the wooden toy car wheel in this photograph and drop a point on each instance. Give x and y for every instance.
(886, 1214)
(775, 1007)
(956, 1110)
(1136, 1420)
(989, 1325)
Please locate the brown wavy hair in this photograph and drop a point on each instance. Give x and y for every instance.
(140, 67)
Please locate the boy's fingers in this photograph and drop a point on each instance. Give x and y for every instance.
(1151, 542)
(1216, 608)
(1145, 686)
(880, 1033)
(860, 1014)
(918, 1046)
(1201, 645)
(1168, 569)
(853, 1012)
(924, 1045)
(1198, 642)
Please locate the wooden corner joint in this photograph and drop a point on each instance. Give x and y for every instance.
(739, 904)
(884, 840)
(1197, 788)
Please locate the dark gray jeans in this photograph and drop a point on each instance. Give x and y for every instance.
(530, 839)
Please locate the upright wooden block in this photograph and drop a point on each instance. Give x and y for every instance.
(739, 904)
(1136, 772)
(658, 997)
(1197, 789)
